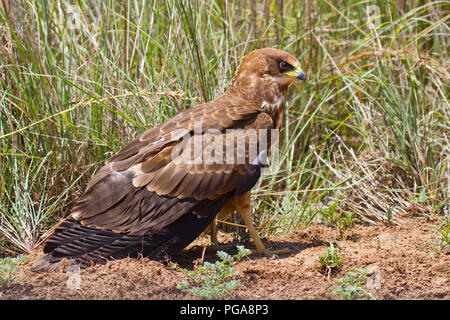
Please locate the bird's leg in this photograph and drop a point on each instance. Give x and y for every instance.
(223, 214)
(242, 205)
(213, 232)
(215, 244)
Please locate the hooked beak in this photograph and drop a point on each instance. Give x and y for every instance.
(297, 73)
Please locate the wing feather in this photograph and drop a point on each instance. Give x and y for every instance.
(142, 187)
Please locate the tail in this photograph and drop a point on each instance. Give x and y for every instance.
(85, 245)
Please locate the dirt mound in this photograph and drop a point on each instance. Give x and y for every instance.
(400, 255)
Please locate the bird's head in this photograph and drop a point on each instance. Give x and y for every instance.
(265, 70)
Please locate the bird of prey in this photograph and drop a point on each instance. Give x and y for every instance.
(152, 198)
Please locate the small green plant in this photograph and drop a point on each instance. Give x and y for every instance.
(352, 285)
(330, 259)
(342, 221)
(210, 280)
(444, 241)
(345, 221)
(421, 197)
(8, 267)
(389, 214)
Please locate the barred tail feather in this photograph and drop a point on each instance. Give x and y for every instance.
(85, 245)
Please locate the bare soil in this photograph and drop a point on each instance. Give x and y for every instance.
(399, 257)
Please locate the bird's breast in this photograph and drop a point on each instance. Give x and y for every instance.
(275, 108)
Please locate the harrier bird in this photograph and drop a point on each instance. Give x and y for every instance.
(147, 202)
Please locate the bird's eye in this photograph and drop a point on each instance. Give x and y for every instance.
(284, 66)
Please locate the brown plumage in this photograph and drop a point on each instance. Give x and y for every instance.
(152, 200)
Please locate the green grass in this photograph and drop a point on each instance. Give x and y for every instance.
(331, 259)
(442, 243)
(367, 133)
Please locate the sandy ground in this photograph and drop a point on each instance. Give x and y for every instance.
(398, 255)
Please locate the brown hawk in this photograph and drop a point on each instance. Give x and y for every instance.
(152, 198)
